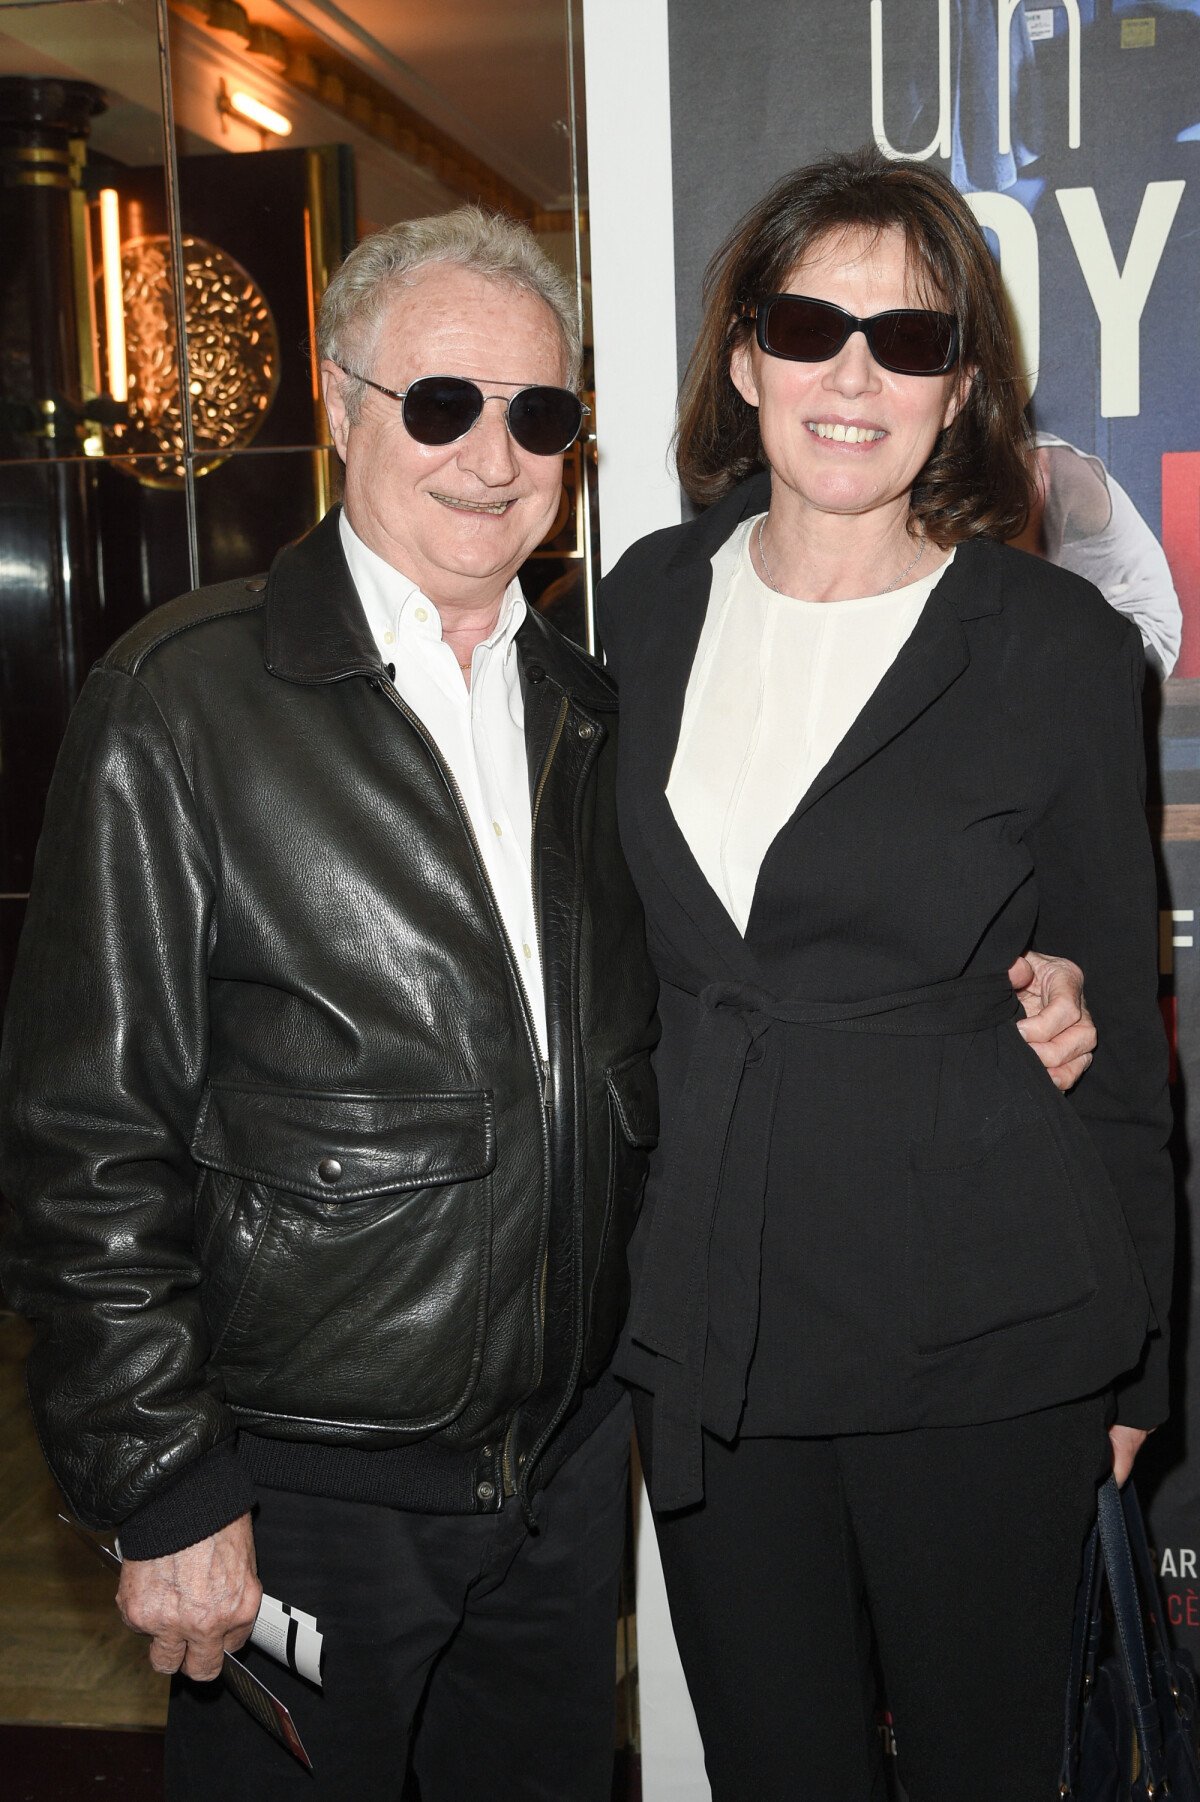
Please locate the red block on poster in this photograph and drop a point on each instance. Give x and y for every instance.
(1181, 542)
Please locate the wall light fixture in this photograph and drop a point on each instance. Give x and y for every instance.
(250, 111)
(114, 296)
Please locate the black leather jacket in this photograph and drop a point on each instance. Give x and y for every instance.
(281, 1150)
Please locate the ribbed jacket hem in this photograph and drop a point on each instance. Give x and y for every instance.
(427, 1477)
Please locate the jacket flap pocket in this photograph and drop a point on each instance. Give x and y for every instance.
(635, 1097)
(339, 1147)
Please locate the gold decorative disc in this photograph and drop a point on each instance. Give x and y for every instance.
(233, 358)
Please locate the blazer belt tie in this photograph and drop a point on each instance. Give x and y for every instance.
(670, 1312)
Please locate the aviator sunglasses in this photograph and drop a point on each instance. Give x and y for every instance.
(438, 409)
(907, 340)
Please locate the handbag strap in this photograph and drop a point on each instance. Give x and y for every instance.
(1085, 1637)
(1131, 1638)
(1139, 1545)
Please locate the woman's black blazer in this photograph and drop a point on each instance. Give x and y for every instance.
(870, 1208)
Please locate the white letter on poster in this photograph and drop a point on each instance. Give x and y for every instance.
(1004, 19)
(1119, 296)
(941, 138)
(1017, 236)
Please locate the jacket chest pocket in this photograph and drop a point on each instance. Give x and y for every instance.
(346, 1280)
(632, 1099)
(995, 1234)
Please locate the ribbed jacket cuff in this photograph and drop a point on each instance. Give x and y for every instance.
(202, 1499)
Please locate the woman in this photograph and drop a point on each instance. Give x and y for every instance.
(898, 1304)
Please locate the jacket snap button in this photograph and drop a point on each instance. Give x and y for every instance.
(486, 1492)
(586, 730)
(256, 584)
(535, 673)
(329, 1170)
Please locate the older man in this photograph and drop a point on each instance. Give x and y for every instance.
(329, 1092)
(329, 1085)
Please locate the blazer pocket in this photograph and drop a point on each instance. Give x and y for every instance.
(996, 1239)
(348, 1279)
(632, 1135)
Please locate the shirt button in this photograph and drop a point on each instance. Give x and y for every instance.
(496, 829)
(486, 1492)
(422, 614)
(527, 951)
(389, 638)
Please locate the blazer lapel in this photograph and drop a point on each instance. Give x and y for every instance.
(933, 657)
(658, 692)
(669, 652)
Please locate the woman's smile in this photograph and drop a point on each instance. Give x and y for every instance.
(843, 432)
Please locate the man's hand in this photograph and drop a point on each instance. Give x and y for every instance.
(1126, 1443)
(197, 1604)
(1057, 1022)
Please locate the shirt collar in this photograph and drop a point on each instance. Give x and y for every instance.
(398, 611)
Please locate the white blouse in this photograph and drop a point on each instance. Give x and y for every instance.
(775, 686)
(480, 732)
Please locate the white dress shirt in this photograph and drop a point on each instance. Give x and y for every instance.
(479, 731)
(775, 686)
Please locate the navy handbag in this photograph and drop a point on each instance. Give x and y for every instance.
(1131, 1718)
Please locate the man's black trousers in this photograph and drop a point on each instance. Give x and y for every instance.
(488, 1649)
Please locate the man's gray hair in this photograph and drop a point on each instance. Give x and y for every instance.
(493, 246)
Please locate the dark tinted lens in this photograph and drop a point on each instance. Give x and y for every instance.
(913, 342)
(440, 408)
(545, 420)
(804, 331)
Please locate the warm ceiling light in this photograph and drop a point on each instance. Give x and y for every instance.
(229, 19)
(254, 112)
(303, 71)
(114, 308)
(270, 46)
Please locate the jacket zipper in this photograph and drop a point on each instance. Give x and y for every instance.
(508, 1475)
(548, 1431)
(541, 1064)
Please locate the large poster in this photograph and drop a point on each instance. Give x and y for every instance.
(1075, 128)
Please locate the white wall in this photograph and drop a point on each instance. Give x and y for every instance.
(633, 265)
(633, 310)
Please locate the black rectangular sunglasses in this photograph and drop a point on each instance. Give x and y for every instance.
(906, 340)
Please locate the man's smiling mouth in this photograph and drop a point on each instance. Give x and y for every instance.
(495, 508)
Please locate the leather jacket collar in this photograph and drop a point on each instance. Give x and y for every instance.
(316, 629)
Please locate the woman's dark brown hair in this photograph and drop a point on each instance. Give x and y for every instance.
(978, 481)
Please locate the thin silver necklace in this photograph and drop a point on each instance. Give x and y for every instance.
(772, 583)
